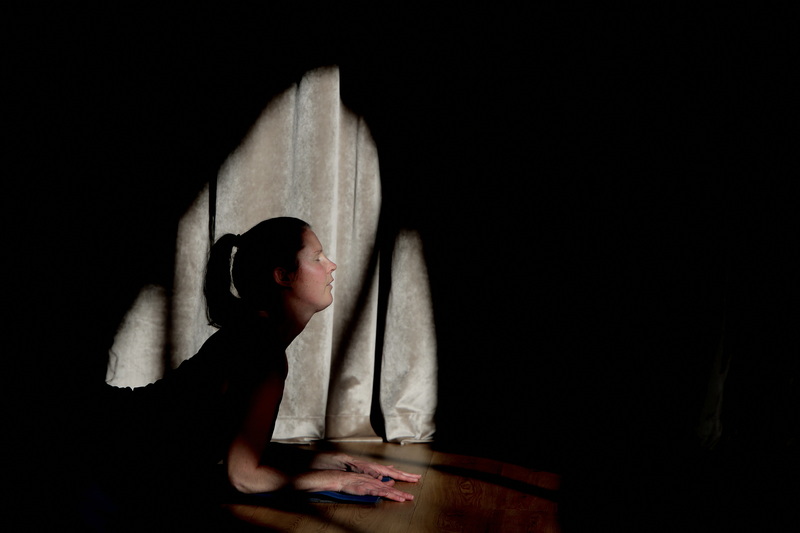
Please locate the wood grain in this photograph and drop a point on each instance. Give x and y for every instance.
(457, 493)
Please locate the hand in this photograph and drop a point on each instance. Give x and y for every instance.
(364, 484)
(350, 483)
(379, 471)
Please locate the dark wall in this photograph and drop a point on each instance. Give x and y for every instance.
(575, 178)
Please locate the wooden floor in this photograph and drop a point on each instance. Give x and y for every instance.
(457, 493)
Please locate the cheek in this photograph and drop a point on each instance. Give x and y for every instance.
(312, 276)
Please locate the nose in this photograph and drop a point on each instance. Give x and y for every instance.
(333, 265)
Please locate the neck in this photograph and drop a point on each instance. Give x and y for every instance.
(288, 327)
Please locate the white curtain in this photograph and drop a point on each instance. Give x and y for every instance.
(307, 156)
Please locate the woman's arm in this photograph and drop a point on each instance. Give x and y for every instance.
(349, 483)
(330, 472)
(243, 461)
(344, 462)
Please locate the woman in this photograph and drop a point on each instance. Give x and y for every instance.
(261, 289)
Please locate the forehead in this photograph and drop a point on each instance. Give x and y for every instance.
(311, 242)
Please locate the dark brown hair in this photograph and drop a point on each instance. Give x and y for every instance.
(248, 269)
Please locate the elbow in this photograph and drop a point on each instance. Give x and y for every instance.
(239, 484)
(242, 482)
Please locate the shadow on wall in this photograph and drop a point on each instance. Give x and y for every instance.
(118, 123)
(118, 131)
(308, 156)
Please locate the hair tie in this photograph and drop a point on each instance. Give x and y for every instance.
(234, 249)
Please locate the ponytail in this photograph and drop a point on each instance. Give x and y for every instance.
(221, 304)
(240, 283)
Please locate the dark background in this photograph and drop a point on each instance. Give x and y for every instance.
(596, 192)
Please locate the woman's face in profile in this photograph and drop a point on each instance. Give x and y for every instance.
(312, 282)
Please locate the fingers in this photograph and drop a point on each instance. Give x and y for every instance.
(399, 475)
(405, 476)
(374, 487)
(395, 494)
(398, 496)
(378, 471)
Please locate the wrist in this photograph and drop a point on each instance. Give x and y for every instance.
(319, 480)
(332, 461)
(344, 462)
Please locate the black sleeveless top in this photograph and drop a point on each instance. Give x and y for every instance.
(185, 421)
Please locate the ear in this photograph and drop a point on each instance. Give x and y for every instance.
(281, 277)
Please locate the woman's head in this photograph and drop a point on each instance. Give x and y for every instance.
(247, 264)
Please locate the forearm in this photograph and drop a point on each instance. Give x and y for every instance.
(268, 479)
(258, 479)
(318, 480)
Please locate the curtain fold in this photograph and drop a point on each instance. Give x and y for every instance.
(408, 371)
(310, 157)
